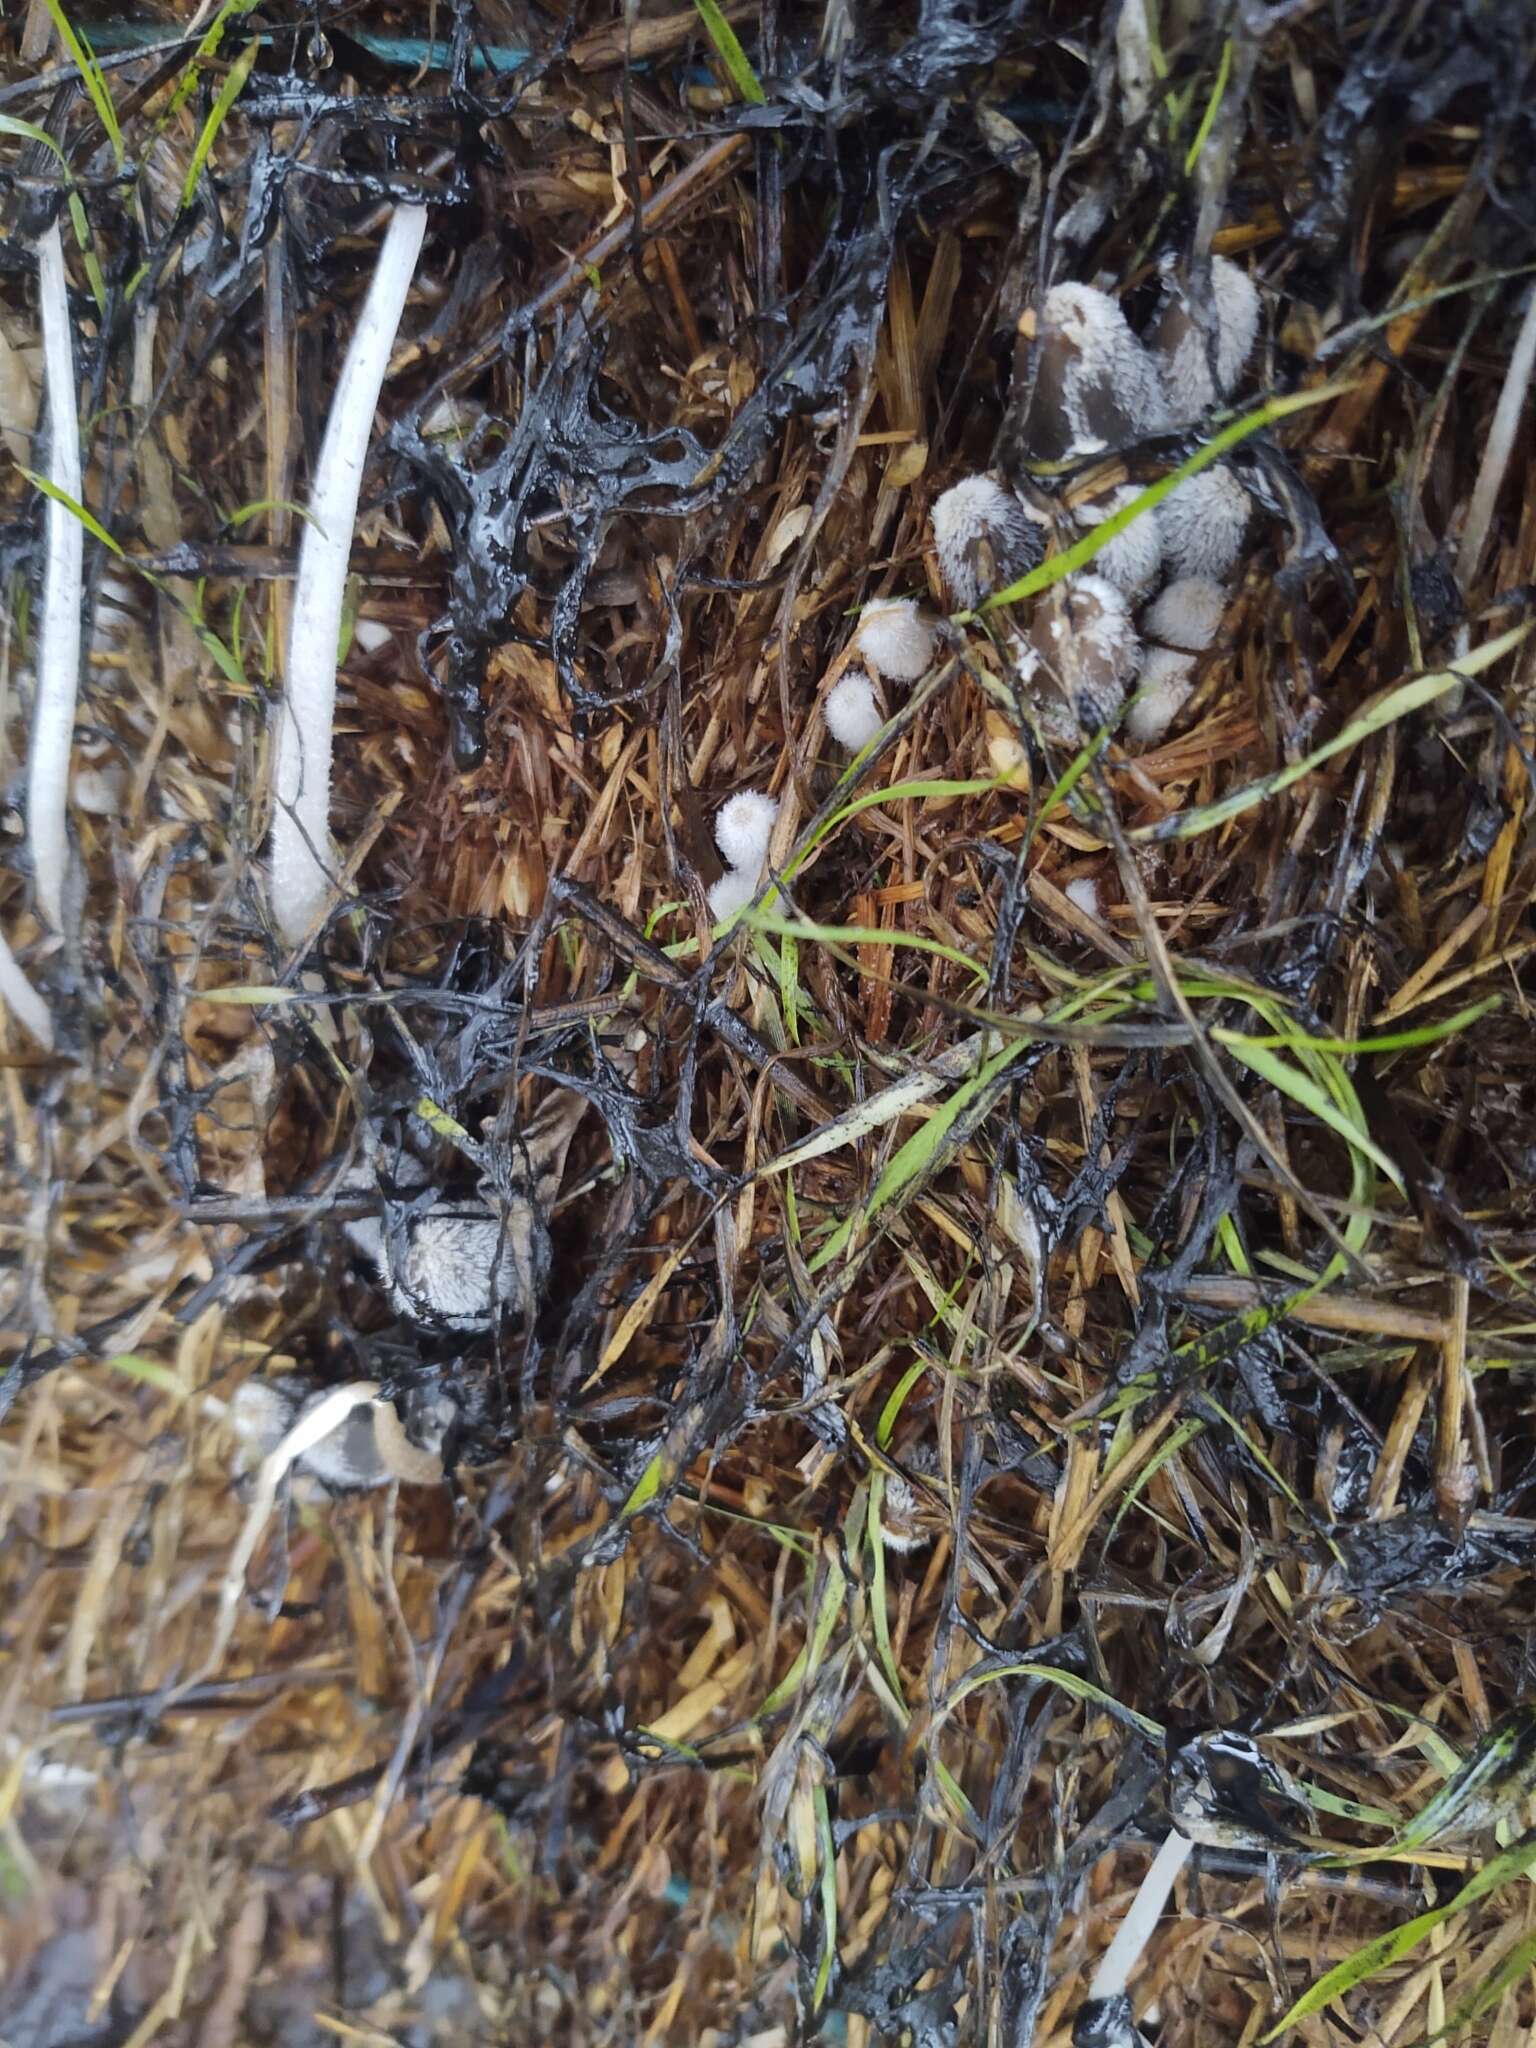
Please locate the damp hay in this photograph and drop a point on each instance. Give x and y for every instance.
(575, 1473)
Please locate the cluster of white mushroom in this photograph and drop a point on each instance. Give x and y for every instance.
(1097, 386)
(743, 827)
(894, 644)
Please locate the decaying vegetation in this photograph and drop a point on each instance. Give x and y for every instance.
(1006, 1356)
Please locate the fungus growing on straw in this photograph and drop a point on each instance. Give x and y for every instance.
(58, 653)
(1078, 656)
(1204, 521)
(984, 538)
(301, 845)
(1189, 355)
(1095, 386)
(1183, 622)
(1133, 560)
(852, 711)
(366, 1447)
(894, 640)
(743, 827)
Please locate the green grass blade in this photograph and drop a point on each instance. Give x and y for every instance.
(1380, 712)
(84, 58)
(1305, 1091)
(730, 53)
(218, 113)
(92, 525)
(1374, 1956)
(1212, 109)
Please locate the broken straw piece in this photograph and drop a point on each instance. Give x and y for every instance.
(894, 640)
(851, 711)
(984, 539)
(301, 844)
(22, 999)
(58, 655)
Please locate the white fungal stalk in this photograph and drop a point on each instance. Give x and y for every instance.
(894, 640)
(58, 654)
(22, 999)
(302, 782)
(1135, 1930)
(852, 711)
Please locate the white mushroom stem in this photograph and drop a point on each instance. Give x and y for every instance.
(58, 653)
(22, 999)
(301, 843)
(1135, 1930)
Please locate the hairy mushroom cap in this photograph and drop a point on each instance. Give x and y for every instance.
(1133, 560)
(1078, 656)
(1095, 386)
(894, 640)
(1189, 355)
(743, 828)
(1204, 522)
(852, 711)
(1187, 614)
(736, 888)
(984, 538)
(1163, 689)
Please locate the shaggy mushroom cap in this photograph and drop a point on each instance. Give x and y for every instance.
(1187, 614)
(1078, 656)
(736, 888)
(1095, 385)
(1204, 522)
(1200, 368)
(852, 711)
(1164, 686)
(894, 640)
(1133, 560)
(984, 538)
(743, 828)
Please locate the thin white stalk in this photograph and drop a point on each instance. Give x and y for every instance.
(1497, 449)
(22, 999)
(58, 649)
(1135, 1930)
(301, 844)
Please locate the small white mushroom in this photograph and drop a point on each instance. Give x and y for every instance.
(301, 843)
(736, 888)
(1083, 890)
(58, 653)
(1203, 523)
(1133, 560)
(984, 538)
(1079, 656)
(899, 1527)
(852, 712)
(895, 640)
(1164, 686)
(1189, 355)
(1095, 385)
(366, 1445)
(743, 827)
(1187, 614)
